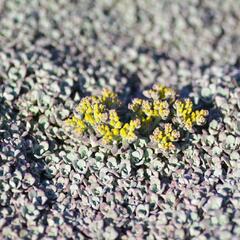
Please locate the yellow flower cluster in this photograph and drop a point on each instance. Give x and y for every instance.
(98, 113)
(78, 124)
(187, 117)
(91, 110)
(110, 98)
(147, 111)
(165, 137)
(159, 91)
(114, 119)
(116, 130)
(145, 108)
(101, 115)
(126, 132)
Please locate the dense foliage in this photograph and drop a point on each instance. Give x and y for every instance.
(59, 183)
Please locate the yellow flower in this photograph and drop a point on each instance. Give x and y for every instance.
(100, 114)
(127, 132)
(84, 105)
(109, 98)
(123, 132)
(159, 91)
(78, 125)
(114, 119)
(115, 132)
(105, 132)
(89, 119)
(165, 137)
(161, 109)
(134, 124)
(136, 105)
(187, 117)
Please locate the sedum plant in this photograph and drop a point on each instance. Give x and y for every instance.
(161, 116)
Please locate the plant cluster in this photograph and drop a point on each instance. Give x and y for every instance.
(161, 116)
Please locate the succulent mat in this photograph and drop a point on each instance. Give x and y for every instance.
(59, 183)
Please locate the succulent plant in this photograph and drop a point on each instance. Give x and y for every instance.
(100, 114)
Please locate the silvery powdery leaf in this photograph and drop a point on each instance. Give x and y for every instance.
(125, 169)
(142, 211)
(80, 166)
(235, 156)
(216, 150)
(34, 109)
(157, 164)
(230, 141)
(43, 122)
(43, 147)
(99, 156)
(72, 156)
(138, 153)
(110, 233)
(223, 91)
(95, 165)
(84, 151)
(148, 153)
(112, 163)
(213, 203)
(51, 171)
(206, 92)
(15, 182)
(65, 169)
(75, 177)
(28, 180)
(210, 140)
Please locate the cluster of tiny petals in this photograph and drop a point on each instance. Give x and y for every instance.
(77, 123)
(107, 133)
(100, 114)
(114, 120)
(160, 108)
(159, 91)
(150, 112)
(92, 110)
(128, 130)
(136, 105)
(110, 98)
(165, 137)
(147, 110)
(156, 108)
(187, 117)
